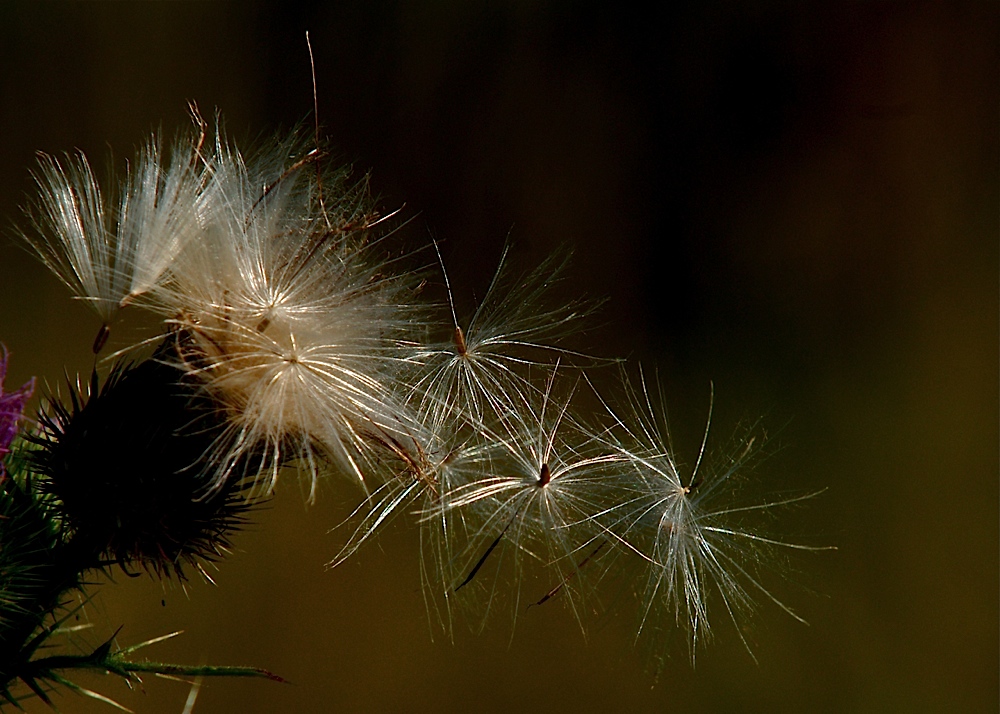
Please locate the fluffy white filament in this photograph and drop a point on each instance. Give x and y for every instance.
(283, 301)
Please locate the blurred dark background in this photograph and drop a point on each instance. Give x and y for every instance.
(797, 201)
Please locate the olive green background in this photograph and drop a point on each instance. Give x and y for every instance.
(799, 205)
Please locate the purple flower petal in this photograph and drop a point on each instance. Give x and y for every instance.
(11, 405)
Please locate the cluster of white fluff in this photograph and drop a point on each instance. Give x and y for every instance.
(275, 279)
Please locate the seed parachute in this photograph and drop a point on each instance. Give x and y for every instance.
(294, 334)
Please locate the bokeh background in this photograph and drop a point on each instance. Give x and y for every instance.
(797, 201)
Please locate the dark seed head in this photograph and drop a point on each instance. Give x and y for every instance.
(126, 461)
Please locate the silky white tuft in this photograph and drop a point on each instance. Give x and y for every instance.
(690, 531)
(480, 371)
(109, 251)
(286, 310)
(287, 313)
